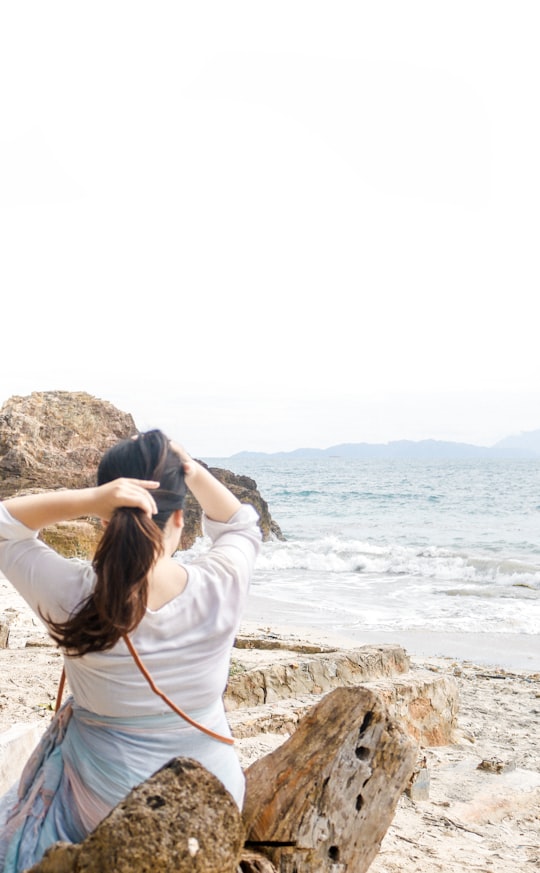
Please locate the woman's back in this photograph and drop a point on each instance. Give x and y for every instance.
(186, 643)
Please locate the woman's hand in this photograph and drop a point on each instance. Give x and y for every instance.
(123, 492)
(189, 465)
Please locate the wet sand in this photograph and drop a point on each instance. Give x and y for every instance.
(508, 651)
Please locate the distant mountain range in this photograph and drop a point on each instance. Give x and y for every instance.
(524, 445)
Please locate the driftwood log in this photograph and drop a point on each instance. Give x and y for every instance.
(181, 820)
(322, 802)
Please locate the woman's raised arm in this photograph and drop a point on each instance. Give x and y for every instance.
(39, 510)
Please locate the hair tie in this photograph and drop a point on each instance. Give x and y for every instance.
(167, 501)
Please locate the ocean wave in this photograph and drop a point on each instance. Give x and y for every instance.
(395, 587)
(529, 592)
(335, 555)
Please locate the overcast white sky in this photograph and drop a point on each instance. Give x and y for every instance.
(272, 225)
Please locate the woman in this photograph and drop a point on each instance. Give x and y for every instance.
(135, 599)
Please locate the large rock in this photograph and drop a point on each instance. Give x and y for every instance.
(181, 820)
(55, 439)
(425, 703)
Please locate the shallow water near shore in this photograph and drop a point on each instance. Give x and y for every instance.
(440, 556)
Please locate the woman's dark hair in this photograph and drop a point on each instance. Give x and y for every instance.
(128, 548)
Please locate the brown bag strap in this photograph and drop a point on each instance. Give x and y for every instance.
(135, 655)
(228, 740)
(60, 691)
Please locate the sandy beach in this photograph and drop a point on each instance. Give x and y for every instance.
(483, 811)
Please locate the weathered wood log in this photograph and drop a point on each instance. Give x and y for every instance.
(322, 802)
(181, 820)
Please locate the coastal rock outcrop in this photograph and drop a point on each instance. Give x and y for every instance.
(271, 691)
(55, 439)
(285, 677)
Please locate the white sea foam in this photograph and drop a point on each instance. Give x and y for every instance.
(397, 587)
(333, 555)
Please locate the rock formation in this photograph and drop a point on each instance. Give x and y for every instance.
(181, 820)
(55, 439)
(242, 487)
(276, 688)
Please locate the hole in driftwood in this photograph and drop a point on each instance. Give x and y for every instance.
(333, 853)
(362, 753)
(155, 801)
(368, 718)
(359, 802)
(366, 782)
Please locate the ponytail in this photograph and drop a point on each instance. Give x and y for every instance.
(130, 545)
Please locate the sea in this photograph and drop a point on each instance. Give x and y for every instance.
(441, 556)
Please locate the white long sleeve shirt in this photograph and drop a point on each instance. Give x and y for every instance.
(185, 644)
